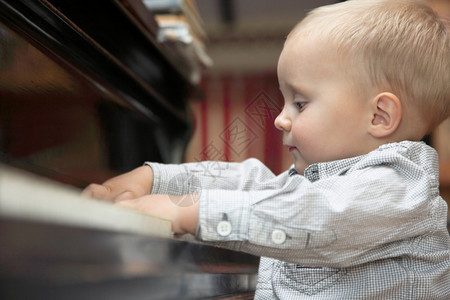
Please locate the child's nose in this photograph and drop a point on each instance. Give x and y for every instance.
(282, 122)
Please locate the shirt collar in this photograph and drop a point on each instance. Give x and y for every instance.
(416, 151)
(323, 170)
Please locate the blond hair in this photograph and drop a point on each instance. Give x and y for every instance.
(400, 44)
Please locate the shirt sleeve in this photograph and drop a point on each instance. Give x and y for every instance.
(173, 179)
(342, 220)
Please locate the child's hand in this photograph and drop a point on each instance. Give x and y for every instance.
(131, 185)
(184, 218)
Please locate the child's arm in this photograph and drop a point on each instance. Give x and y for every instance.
(133, 189)
(191, 178)
(340, 220)
(131, 185)
(184, 218)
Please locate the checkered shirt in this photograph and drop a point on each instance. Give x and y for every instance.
(368, 227)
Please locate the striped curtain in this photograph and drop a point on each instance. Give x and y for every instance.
(235, 121)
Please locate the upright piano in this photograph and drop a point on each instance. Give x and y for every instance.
(88, 92)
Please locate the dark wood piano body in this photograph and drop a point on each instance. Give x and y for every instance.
(87, 92)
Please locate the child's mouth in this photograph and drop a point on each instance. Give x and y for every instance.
(291, 148)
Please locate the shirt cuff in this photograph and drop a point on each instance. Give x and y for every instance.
(164, 177)
(223, 216)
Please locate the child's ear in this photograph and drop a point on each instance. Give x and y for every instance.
(387, 114)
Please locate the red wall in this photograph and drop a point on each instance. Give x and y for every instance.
(235, 121)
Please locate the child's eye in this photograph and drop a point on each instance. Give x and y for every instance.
(300, 105)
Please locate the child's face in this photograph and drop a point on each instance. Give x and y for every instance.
(323, 117)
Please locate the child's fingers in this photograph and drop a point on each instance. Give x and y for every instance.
(184, 219)
(104, 192)
(150, 204)
(125, 195)
(96, 191)
(155, 205)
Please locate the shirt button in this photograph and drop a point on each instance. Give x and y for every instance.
(224, 228)
(278, 236)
